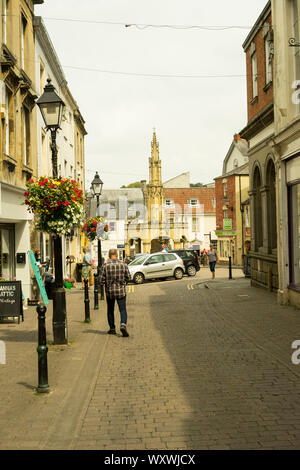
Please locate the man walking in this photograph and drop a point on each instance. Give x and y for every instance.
(115, 275)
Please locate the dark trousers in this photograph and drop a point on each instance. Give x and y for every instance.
(111, 308)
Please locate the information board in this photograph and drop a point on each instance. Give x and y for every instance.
(11, 304)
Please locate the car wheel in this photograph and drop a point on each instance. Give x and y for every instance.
(178, 273)
(191, 270)
(138, 278)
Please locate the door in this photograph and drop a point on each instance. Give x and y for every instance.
(170, 262)
(155, 267)
(7, 251)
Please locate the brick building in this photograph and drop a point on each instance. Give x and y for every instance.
(195, 208)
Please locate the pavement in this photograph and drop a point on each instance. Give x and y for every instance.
(207, 366)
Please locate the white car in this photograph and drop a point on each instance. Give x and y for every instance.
(156, 265)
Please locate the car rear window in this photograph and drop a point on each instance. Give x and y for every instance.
(190, 254)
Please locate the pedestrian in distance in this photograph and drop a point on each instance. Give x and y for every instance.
(212, 258)
(115, 276)
(86, 266)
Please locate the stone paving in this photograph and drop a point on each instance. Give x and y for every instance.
(207, 366)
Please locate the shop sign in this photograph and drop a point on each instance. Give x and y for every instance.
(227, 224)
(11, 304)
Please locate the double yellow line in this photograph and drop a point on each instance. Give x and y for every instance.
(130, 289)
(190, 286)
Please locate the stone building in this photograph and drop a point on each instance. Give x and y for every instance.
(259, 133)
(70, 141)
(286, 146)
(18, 142)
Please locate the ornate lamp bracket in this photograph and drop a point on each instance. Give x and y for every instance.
(292, 43)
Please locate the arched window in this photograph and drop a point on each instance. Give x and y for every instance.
(258, 228)
(271, 206)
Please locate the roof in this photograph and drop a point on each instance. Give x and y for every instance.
(181, 197)
(258, 24)
(241, 170)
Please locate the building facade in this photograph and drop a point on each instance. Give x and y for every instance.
(70, 142)
(286, 145)
(233, 215)
(18, 142)
(259, 132)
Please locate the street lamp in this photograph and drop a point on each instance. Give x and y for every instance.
(51, 107)
(96, 189)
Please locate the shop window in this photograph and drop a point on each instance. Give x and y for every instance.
(294, 193)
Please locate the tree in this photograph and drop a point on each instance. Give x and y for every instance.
(196, 185)
(137, 184)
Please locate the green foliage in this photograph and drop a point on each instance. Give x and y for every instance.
(196, 185)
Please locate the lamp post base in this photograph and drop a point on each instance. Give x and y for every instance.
(60, 334)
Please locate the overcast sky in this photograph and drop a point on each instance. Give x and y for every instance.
(195, 118)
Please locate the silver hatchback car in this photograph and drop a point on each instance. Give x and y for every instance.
(156, 265)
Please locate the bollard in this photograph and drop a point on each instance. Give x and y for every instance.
(42, 350)
(96, 303)
(86, 301)
(230, 268)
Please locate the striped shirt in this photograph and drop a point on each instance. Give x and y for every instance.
(115, 275)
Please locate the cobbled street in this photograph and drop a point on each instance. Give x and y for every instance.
(207, 366)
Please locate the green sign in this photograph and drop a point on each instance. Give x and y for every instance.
(225, 234)
(227, 224)
(38, 277)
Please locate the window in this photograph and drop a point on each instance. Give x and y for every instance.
(225, 190)
(112, 210)
(295, 234)
(42, 78)
(271, 206)
(194, 224)
(23, 41)
(112, 226)
(254, 75)
(26, 136)
(193, 202)
(268, 53)
(171, 220)
(214, 202)
(169, 202)
(170, 257)
(225, 214)
(5, 13)
(131, 209)
(155, 259)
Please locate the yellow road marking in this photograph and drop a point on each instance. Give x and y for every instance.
(130, 289)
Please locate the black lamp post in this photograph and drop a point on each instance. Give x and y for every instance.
(51, 107)
(96, 189)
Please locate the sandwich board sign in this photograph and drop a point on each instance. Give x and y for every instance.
(11, 304)
(38, 277)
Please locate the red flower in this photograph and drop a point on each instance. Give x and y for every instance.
(26, 194)
(66, 203)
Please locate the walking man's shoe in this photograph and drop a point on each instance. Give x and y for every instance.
(124, 331)
(111, 332)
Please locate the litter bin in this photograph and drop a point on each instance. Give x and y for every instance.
(78, 272)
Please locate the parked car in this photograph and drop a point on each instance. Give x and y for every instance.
(190, 259)
(155, 266)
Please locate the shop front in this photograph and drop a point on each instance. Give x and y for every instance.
(14, 237)
(293, 186)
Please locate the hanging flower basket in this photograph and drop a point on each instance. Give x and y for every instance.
(57, 204)
(95, 227)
